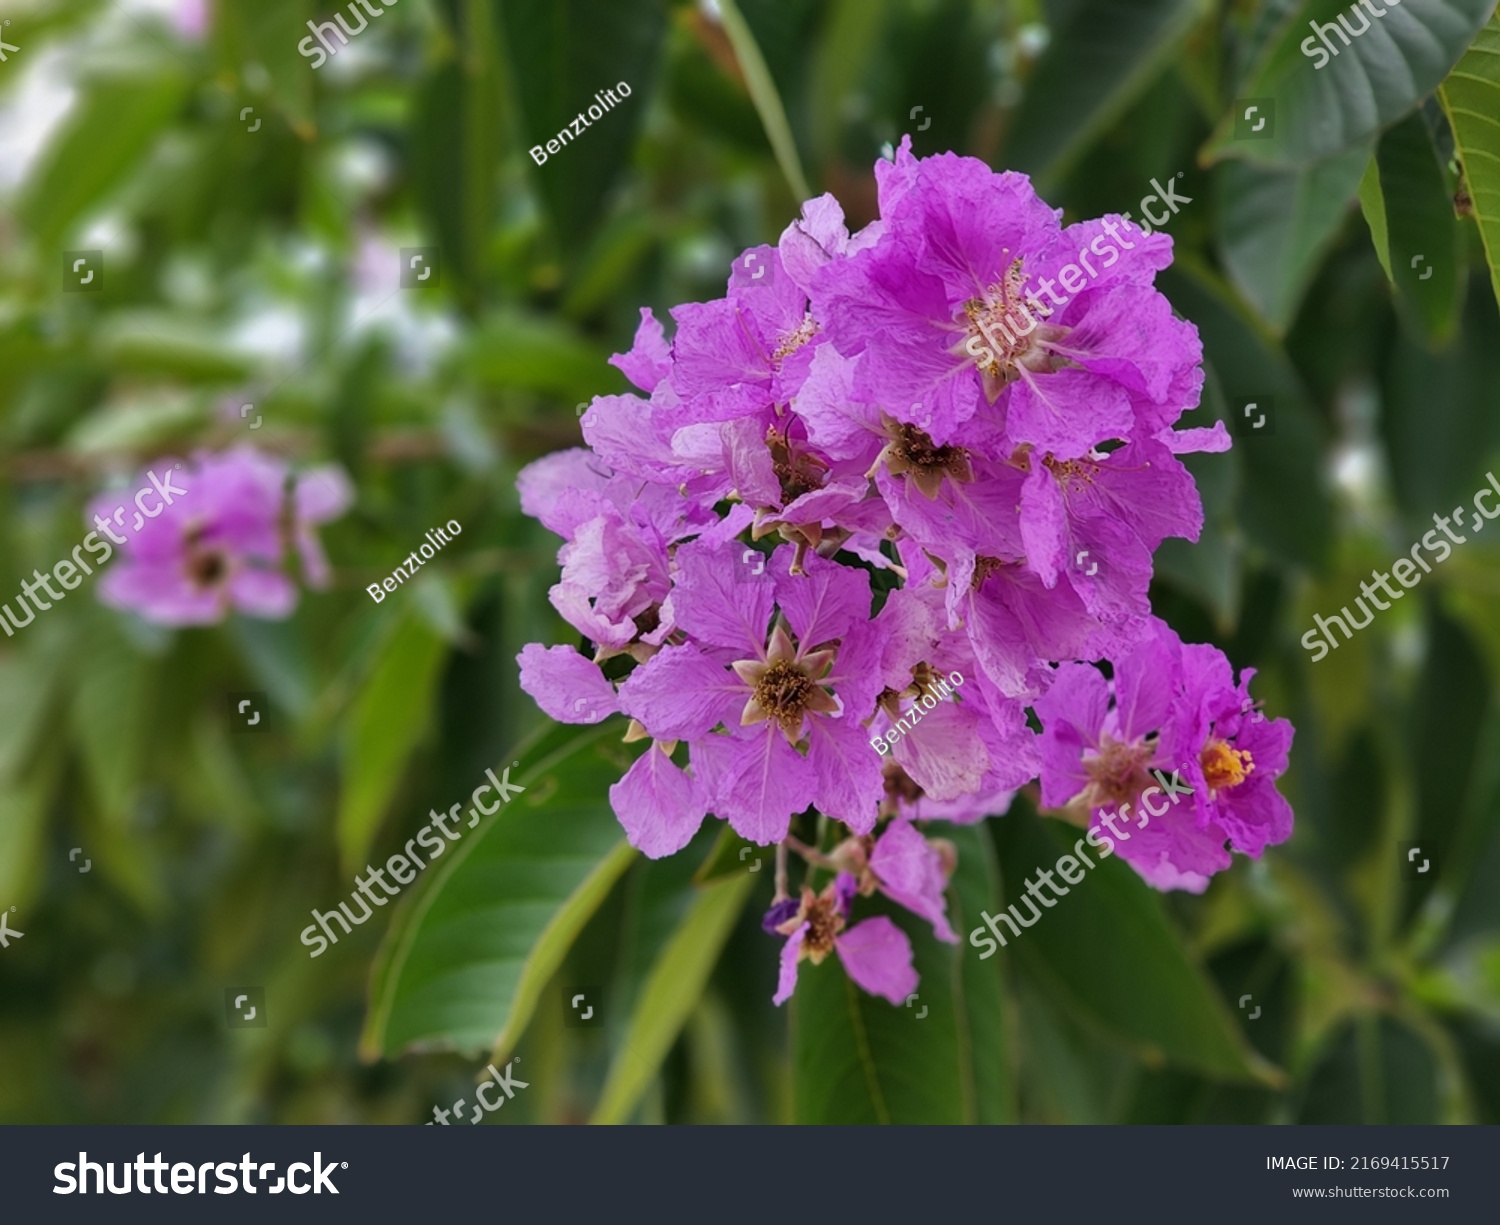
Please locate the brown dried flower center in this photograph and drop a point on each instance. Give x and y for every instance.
(784, 692)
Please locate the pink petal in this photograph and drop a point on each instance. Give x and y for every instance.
(660, 806)
(877, 956)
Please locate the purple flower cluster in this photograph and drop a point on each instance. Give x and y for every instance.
(223, 544)
(885, 458)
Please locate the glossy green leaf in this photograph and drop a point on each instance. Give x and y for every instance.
(1425, 243)
(466, 960)
(1277, 223)
(1107, 954)
(1322, 105)
(389, 718)
(856, 1058)
(1103, 54)
(1283, 503)
(1372, 205)
(670, 994)
(1471, 99)
(456, 147)
(558, 55)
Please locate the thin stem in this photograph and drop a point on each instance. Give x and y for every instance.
(781, 891)
(808, 853)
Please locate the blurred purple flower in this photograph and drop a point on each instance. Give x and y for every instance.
(221, 545)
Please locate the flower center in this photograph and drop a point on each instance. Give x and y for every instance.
(1224, 767)
(796, 338)
(783, 693)
(824, 922)
(912, 451)
(206, 565)
(1004, 334)
(796, 471)
(1117, 773)
(1070, 473)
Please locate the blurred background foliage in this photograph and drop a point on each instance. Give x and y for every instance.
(251, 258)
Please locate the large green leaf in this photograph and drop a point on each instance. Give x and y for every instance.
(464, 964)
(559, 54)
(388, 720)
(1283, 503)
(110, 130)
(670, 994)
(1327, 108)
(1278, 222)
(456, 144)
(1101, 56)
(858, 1059)
(1424, 247)
(1107, 954)
(1471, 98)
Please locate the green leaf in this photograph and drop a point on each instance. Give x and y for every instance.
(269, 31)
(976, 887)
(1471, 99)
(1426, 244)
(1278, 223)
(558, 55)
(767, 101)
(387, 721)
(511, 352)
(732, 856)
(670, 994)
(106, 138)
(1374, 1071)
(1324, 109)
(1372, 204)
(110, 724)
(858, 1059)
(1106, 953)
(456, 147)
(1102, 55)
(1283, 504)
(464, 964)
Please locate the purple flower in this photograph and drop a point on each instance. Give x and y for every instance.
(875, 953)
(978, 409)
(790, 693)
(1178, 771)
(221, 546)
